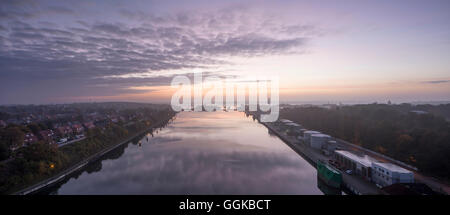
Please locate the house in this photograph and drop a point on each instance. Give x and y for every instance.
(64, 131)
(77, 128)
(47, 135)
(2, 124)
(29, 138)
(419, 112)
(89, 125)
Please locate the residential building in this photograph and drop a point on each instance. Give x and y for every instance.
(77, 128)
(47, 135)
(2, 124)
(64, 131)
(89, 125)
(29, 138)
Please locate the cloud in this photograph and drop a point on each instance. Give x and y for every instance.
(87, 49)
(436, 82)
(59, 9)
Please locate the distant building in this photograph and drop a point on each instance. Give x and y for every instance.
(292, 124)
(307, 136)
(386, 174)
(329, 147)
(64, 131)
(89, 125)
(29, 138)
(319, 140)
(2, 124)
(47, 135)
(77, 128)
(329, 106)
(420, 112)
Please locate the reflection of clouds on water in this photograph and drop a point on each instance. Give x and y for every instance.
(201, 172)
(205, 127)
(175, 163)
(159, 139)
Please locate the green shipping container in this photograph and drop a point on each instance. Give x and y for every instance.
(329, 175)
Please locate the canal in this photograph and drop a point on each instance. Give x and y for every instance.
(198, 153)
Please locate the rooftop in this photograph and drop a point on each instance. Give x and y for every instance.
(311, 132)
(320, 135)
(364, 160)
(292, 124)
(392, 167)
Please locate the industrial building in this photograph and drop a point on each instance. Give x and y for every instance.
(383, 174)
(329, 147)
(358, 164)
(292, 124)
(307, 136)
(285, 121)
(386, 174)
(284, 124)
(319, 140)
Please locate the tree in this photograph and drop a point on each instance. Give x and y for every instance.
(13, 137)
(34, 128)
(4, 151)
(418, 139)
(40, 151)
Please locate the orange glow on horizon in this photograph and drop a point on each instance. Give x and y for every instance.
(335, 90)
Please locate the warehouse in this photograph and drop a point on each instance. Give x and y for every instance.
(307, 136)
(386, 174)
(319, 140)
(358, 164)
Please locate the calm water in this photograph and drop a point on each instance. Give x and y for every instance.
(200, 153)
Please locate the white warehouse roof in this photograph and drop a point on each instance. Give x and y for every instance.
(392, 167)
(320, 135)
(292, 124)
(311, 132)
(363, 160)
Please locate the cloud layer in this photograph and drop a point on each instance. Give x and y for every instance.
(79, 53)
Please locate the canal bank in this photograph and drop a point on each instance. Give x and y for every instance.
(82, 164)
(205, 153)
(352, 183)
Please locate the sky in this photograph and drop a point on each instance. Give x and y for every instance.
(322, 51)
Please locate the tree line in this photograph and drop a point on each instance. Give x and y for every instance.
(41, 160)
(422, 140)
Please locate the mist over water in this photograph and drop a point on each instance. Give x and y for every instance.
(201, 153)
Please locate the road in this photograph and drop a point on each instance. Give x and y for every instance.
(72, 141)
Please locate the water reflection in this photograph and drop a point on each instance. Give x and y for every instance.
(199, 153)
